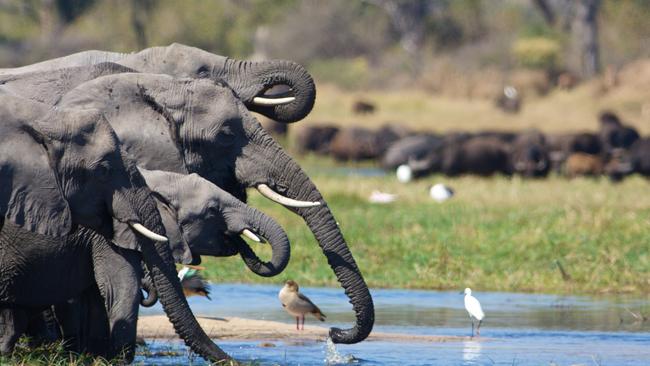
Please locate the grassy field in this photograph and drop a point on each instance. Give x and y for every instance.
(497, 233)
(560, 110)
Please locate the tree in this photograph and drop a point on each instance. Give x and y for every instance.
(582, 15)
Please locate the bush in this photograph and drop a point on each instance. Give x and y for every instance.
(537, 53)
(351, 73)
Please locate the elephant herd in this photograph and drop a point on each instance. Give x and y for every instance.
(114, 167)
(615, 150)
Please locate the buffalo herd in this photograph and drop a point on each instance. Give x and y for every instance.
(615, 150)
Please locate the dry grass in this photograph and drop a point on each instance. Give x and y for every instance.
(559, 111)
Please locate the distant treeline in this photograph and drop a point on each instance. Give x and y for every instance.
(358, 43)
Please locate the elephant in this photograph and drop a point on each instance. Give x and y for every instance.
(64, 180)
(201, 219)
(315, 139)
(199, 126)
(529, 155)
(255, 83)
(198, 218)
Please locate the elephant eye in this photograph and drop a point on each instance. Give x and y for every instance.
(226, 136)
(203, 72)
(102, 172)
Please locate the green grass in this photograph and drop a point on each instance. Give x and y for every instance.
(495, 234)
(49, 355)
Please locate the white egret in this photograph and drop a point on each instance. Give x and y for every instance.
(474, 309)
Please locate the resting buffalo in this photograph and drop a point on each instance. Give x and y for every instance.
(614, 134)
(361, 143)
(529, 155)
(459, 154)
(581, 164)
(562, 145)
(639, 156)
(410, 148)
(315, 138)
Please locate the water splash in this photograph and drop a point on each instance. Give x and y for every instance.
(333, 357)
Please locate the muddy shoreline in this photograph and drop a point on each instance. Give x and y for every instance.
(233, 328)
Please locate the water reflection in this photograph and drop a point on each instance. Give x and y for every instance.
(439, 312)
(521, 329)
(471, 352)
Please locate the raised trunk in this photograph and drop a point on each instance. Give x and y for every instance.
(252, 79)
(275, 236)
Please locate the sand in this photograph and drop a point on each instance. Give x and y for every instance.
(159, 327)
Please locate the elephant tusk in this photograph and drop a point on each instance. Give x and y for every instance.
(267, 192)
(249, 234)
(148, 233)
(273, 101)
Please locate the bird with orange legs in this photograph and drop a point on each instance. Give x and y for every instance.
(297, 304)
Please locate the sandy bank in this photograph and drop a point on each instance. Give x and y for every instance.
(158, 326)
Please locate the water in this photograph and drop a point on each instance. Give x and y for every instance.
(519, 329)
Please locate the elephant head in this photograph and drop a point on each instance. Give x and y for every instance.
(252, 81)
(62, 168)
(198, 126)
(202, 219)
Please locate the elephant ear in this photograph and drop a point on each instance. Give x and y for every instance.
(124, 237)
(30, 190)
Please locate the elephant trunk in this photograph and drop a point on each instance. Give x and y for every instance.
(152, 296)
(275, 236)
(250, 80)
(291, 181)
(159, 262)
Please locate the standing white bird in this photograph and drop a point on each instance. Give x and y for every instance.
(473, 307)
(297, 304)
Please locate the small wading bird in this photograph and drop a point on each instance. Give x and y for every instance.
(193, 283)
(297, 304)
(473, 307)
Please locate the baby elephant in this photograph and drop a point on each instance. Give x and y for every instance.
(203, 219)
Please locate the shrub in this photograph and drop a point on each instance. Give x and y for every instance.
(537, 53)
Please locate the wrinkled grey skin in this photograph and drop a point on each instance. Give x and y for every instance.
(198, 217)
(248, 79)
(196, 126)
(61, 175)
(203, 219)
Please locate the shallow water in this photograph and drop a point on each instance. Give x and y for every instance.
(519, 329)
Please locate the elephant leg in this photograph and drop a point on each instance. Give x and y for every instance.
(69, 316)
(13, 323)
(43, 328)
(118, 274)
(95, 331)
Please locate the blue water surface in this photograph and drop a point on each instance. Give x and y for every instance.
(519, 329)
